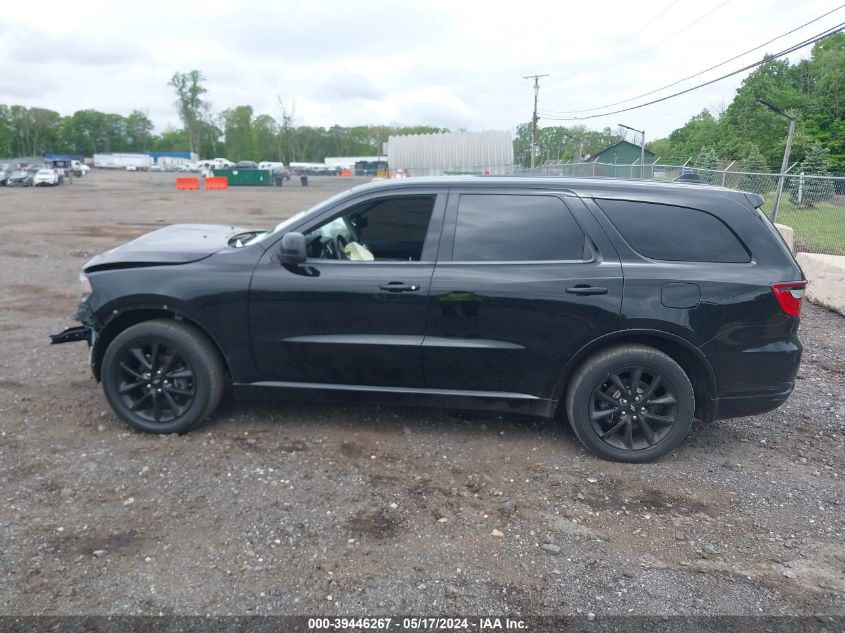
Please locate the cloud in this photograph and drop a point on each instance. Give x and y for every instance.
(440, 105)
(305, 33)
(15, 85)
(33, 47)
(344, 86)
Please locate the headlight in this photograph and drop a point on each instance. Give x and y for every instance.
(85, 289)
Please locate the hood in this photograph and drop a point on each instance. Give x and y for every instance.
(177, 244)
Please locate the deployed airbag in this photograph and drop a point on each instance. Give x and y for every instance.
(358, 252)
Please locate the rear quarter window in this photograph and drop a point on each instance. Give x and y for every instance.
(672, 233)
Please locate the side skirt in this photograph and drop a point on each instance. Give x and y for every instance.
(438, 398)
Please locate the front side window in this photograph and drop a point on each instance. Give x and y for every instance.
(385, 229)
(496, 228)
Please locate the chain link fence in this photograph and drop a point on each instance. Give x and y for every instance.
(814, 206)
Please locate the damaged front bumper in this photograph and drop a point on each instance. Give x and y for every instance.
(85, 332)
(72, 334)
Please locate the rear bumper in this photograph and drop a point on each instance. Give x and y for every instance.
(740, 406)
(752, 378)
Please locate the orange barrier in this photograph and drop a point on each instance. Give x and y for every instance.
(346, 172)
(216, 183)
(187, 184)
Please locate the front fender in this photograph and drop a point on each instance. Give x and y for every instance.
(116, 316)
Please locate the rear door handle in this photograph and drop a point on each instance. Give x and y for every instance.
(587, 290)
(399, 286)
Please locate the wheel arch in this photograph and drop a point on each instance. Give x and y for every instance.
(687, 355)
(127, 317)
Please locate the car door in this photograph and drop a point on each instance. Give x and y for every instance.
(350, 322)
(523, 280)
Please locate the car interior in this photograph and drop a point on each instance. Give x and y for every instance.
(388, 229)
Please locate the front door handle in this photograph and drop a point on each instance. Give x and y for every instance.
(586, 290)
(399, 286)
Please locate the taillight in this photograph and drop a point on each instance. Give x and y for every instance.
(789, 295)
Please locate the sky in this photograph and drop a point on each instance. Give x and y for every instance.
(455, 64)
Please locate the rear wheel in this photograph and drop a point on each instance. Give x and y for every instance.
(632, 403)
(162, 376)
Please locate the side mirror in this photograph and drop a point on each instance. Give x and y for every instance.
(293, 249)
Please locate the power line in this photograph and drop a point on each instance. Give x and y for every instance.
(654, 19)
(787, 51)
(698, 74)
(663, 41)
(684, 28)
(593, 65)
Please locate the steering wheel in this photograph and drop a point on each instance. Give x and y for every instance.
(339, 244)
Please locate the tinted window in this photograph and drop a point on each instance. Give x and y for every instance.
(398, 220)
(387, 229)
(667, 232)
(516, 228)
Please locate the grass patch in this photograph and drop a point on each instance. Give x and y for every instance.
(818, 229)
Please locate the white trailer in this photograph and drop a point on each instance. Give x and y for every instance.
(123, 161)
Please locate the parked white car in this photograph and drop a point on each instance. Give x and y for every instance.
(46, 177)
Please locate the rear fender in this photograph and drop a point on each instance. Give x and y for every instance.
(691, 359)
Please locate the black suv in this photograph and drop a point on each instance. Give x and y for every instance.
(629, 307)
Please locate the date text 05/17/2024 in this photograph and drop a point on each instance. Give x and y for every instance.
(416, 624)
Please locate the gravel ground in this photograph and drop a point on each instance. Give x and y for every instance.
(294, 508)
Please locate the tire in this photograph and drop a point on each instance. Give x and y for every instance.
(623, 422)
(162, 376)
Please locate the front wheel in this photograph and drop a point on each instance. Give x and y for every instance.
(631, 403)
(162, 376)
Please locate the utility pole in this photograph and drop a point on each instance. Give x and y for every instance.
(642, 149)
(787, 151)
(534, 119)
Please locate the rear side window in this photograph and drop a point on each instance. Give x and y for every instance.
(516, 228)
(667, 232)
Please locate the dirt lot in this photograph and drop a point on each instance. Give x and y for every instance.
(316, 508)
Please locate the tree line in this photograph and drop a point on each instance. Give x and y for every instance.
(237, 133)
(560, 144)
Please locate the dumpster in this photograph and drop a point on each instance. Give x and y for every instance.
(246, 177)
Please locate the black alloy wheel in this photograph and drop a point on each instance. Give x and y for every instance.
(631, 403)
(633, 408)
(156, 382)
(162, 376)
